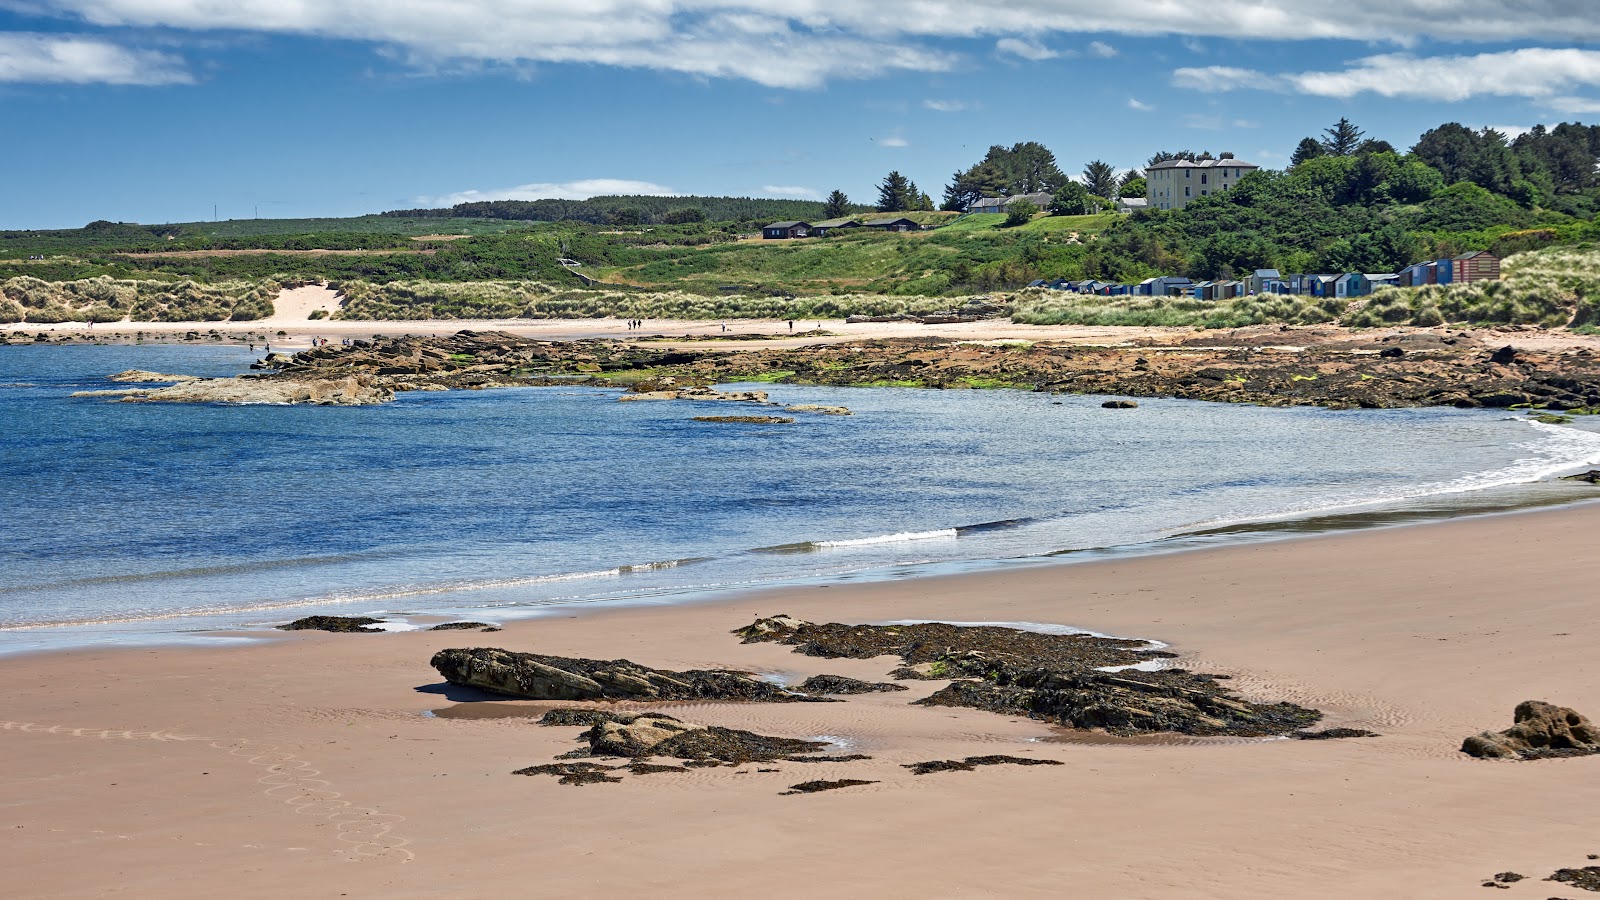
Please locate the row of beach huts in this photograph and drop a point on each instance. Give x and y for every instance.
(1479, 265)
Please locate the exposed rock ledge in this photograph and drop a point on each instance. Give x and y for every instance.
(352, 390)
(537, 677)
(140, 376)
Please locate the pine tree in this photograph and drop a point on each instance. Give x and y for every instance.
(836, 206)
(1100, 178)
(1342, 139)
(1310, 148)
(894, 193)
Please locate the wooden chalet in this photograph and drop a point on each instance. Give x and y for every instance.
(780, 231)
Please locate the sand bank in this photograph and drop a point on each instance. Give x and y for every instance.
(308, 766)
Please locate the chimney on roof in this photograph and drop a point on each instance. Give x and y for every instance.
(1227, 156)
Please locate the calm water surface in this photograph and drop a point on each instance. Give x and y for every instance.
(124, 520)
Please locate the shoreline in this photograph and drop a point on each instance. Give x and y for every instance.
(1432, 636)
(1310, 525)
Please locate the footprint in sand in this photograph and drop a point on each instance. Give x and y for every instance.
(367, 833)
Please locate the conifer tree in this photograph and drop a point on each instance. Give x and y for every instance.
(836, 206)
(1342, 139)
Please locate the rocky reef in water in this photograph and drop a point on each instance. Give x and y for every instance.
(1266, 365)
(1058, 678)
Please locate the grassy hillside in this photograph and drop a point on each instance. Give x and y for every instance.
(1553, 287)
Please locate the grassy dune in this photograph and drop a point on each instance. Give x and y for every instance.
(36, 301)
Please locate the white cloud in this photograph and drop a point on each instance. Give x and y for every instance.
(1028, 49)
(799, 193)
(945, 105)
(1133, 103)
(804, 43)
(55, 58)
(1577, 106)
(582, 189)
(894, 141)
(1224, 78)
(1102, 49)
(1532, 72)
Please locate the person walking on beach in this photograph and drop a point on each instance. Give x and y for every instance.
(791, 324)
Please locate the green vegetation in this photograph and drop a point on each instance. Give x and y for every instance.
(1349, 204)
(634, 210)
(108, 300)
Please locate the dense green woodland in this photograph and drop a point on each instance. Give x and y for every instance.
(1347, 204)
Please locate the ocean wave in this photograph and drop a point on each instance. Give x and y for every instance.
(942, 534)
(1562, 450)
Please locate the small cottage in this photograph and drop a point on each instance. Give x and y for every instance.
(779, 231)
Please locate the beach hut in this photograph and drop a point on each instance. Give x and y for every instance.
(1479, 265)
(1265, 281)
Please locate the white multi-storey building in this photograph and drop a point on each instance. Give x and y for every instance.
(1172, 184)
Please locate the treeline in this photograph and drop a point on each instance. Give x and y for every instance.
(629, 210)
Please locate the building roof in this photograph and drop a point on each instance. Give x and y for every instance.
(892, 221)
(986, 202)
(1268, 273)
(1134, 201)
(1205, 164)
(1474, 254)
(833, 223)
(786, 224)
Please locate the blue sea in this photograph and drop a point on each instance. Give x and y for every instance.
(131, 522)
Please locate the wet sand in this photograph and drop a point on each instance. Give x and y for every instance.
(326, 765)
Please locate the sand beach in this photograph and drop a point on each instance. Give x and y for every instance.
(312, 764)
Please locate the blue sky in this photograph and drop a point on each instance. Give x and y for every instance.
(156, 110)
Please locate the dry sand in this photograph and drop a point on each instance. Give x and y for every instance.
(305, 766)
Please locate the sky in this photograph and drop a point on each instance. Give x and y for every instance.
(160, 111)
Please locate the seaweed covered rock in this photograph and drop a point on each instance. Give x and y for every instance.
(1059, 678)
(964, 649)
(1136, 703)
(1541, 731)
(464, 626)
(1586, 878)
(339, 624)
(839, 684)
(536, 677)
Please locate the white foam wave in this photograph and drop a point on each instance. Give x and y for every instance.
(1562, 450)
(903, 537)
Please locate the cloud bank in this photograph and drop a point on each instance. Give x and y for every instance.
(806, 43)
(1535, 73)
(582, 189)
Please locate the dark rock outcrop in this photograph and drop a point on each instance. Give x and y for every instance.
(1054, 677)
(464, 626)
(340, 624)
(839, 684)
(1541, 731)
(536, 677)
(1586, 878)
(1592, 476)
(747, 420)
(1119, 404)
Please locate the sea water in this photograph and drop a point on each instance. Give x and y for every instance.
(127, 521)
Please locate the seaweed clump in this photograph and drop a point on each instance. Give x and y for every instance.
(972, 762)
(812, 787)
